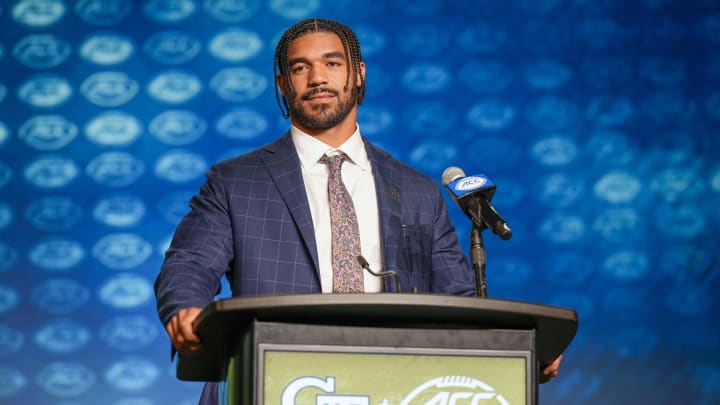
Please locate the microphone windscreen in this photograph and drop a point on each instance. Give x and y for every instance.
(451, 174)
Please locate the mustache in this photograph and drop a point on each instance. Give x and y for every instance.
(318, 90)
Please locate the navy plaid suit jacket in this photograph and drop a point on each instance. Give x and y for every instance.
(251, 222)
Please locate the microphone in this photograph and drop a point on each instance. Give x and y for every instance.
(473, 195)
(365, 265)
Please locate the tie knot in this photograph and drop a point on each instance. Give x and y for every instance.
(334, 162)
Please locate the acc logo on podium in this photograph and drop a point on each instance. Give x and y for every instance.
(446, 390)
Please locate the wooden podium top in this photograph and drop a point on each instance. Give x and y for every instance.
(555, 326)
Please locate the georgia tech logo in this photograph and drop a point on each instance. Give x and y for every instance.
(446, 390)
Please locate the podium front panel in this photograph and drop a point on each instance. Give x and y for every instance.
(349, 365)
(356, 375)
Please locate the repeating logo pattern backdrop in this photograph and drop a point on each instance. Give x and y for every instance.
(598, 121)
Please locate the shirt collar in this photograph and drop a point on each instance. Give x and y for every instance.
(310, 150)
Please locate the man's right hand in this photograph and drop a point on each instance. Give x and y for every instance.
(180, 329)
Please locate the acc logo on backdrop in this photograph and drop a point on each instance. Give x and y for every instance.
(4, 133)
(41, 51)
(432, 155)
(230, 11)
(60, 296)
(113, 128)
(126, 291)
(174, 87)
(11, 340)
(38, 13)
(371, 39)
(65, 379)
(491, 115)
(132, 374)
(242, 123)
(57, 254)
(103, 12)
(107, 48)
(554, 151)
(8, 257)
(494, 152)
(11, 381)
(626, 265)
(47, 132)
(6, 174)
(611, 147)
(552, 113)
(617, 187)
(115, 169)
(668, 107)
(122, 250)
(483, 36)
(6, 215)
(426, 78)
(547, 74)
(619, 225)
(9, 298)
(53, 214)
(487, 77)
(609, 111)
(235, 45)
(51, 172)
(45, 90)
(62, 336)
(109, 89)
(374, 119)
(568, 268)
(177, 127)
(292, 9)
(606, 71)
(562, 228)
(172, 47)
(238, 84)
(559, 190)
(169, 11)
(513, 271)
(422, 117)
(119, 211)
(424, 40)
(127, 333)
(179, 166)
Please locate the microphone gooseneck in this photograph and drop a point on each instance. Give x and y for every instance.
(386, 273)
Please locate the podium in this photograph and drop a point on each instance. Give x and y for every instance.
(369, 349)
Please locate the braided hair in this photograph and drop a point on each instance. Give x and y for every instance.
(351, 46)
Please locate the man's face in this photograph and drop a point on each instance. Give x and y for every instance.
(318, 71)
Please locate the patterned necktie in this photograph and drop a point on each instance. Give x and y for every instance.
(347, 274)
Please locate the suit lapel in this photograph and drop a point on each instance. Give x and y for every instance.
(388, 192)
(282, 162)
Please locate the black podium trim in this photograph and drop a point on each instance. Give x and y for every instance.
(221, 320)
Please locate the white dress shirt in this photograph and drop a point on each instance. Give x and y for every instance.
(358, 179)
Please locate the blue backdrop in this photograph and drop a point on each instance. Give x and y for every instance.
(598, 120)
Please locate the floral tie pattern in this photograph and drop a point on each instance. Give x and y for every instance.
(347, 274)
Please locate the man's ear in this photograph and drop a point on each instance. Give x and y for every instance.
(280, 79)
(360, 77)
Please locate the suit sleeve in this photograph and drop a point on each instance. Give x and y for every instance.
(451, 272)
(199, 254)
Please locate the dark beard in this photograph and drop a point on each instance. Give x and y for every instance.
(323, 116)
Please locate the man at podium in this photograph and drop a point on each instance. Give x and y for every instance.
(292, 217)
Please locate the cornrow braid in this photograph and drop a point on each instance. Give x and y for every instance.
(351, 46)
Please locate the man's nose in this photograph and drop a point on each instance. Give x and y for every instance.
(318, 76)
